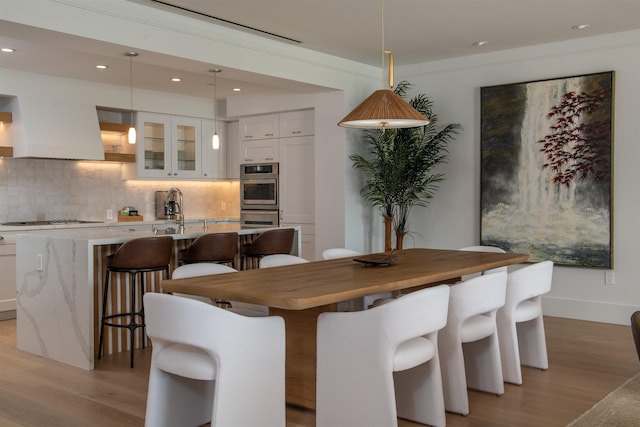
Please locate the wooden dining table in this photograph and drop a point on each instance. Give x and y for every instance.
(301, 292)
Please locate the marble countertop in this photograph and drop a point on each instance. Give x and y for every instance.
(160, 222)
(108, 236)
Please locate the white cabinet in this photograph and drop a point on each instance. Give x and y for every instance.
(260, 136)
(297, 123)
(153, 143)
(186, 138)
(259, 127)
(8, 276)
(214, 162)
(233, 150)
(307, 238)
(168, 146)
(176, 147)
(259, 151)
(287, 138)
(297, 180)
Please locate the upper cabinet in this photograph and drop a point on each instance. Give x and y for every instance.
(259, 127)
(185, 147)
(260, 151)
(260, 135)
(177, 147)
(296, 123)
(154, 146)
(214, 161)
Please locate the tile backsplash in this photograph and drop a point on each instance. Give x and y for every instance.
(44, 189)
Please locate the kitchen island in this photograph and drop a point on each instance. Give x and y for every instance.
(59, 280)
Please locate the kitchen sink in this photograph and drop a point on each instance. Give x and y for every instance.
(49, 222)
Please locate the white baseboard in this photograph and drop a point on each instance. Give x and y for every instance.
(7, 305)
(595, 311)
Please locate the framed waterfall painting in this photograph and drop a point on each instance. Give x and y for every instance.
(546, 169)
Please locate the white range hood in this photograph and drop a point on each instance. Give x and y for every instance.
(56, 129)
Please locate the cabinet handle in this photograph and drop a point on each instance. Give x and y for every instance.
(268, 134)
(175, 174)
(206, 174)
(268, 158)
(296, 131)
(169, 174)
(248, 136)
(248, 160)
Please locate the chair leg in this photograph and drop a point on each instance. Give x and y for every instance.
(532, 343)
(104, 308)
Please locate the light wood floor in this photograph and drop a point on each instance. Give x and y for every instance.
(587, 361)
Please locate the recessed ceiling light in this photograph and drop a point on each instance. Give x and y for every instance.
(102, 67)
(580, 26)
(480, 43)
(237, 89)
(176, 79)
(8, 50)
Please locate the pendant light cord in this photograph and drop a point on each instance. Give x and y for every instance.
(215, 101)
(382, 39)
(131, 88)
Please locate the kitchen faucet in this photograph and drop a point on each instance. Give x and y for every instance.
(175, 208)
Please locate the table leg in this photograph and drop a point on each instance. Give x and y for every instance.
(300, 367)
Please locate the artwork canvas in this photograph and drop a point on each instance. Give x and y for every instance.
(546, 169)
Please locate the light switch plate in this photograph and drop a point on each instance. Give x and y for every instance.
(609, 278)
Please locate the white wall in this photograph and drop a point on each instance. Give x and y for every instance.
(452, 218)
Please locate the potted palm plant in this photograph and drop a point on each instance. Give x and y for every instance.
(398, 166)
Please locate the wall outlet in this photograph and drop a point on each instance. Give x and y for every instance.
(109, 213)
(39, 262)
(609, 278)
(223, 206)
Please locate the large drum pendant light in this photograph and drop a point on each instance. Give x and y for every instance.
(131, 137)
(384, 109)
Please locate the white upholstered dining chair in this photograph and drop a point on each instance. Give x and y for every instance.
(469, 348)
(520, 322)
(484, 248)
(208, 268)
(378, 364)
(278, 260)
(357, 303)
(204, 367)
(335, 253)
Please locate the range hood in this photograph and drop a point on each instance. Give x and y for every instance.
(46, 127)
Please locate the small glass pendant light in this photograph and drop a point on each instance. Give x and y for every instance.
(215, 141)
(131, 136)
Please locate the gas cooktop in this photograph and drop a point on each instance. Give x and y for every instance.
(49, 222)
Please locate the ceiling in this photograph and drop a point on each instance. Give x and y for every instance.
(416, 30)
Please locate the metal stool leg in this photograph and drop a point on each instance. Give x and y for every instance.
(104, 308)
(132, 321)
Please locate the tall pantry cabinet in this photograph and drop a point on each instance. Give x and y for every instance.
(287, 138)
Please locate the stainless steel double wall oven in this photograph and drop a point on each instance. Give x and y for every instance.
(259, 195)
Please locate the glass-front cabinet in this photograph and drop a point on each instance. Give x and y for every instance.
(185, 156)
(154, 139)
(168, 146)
